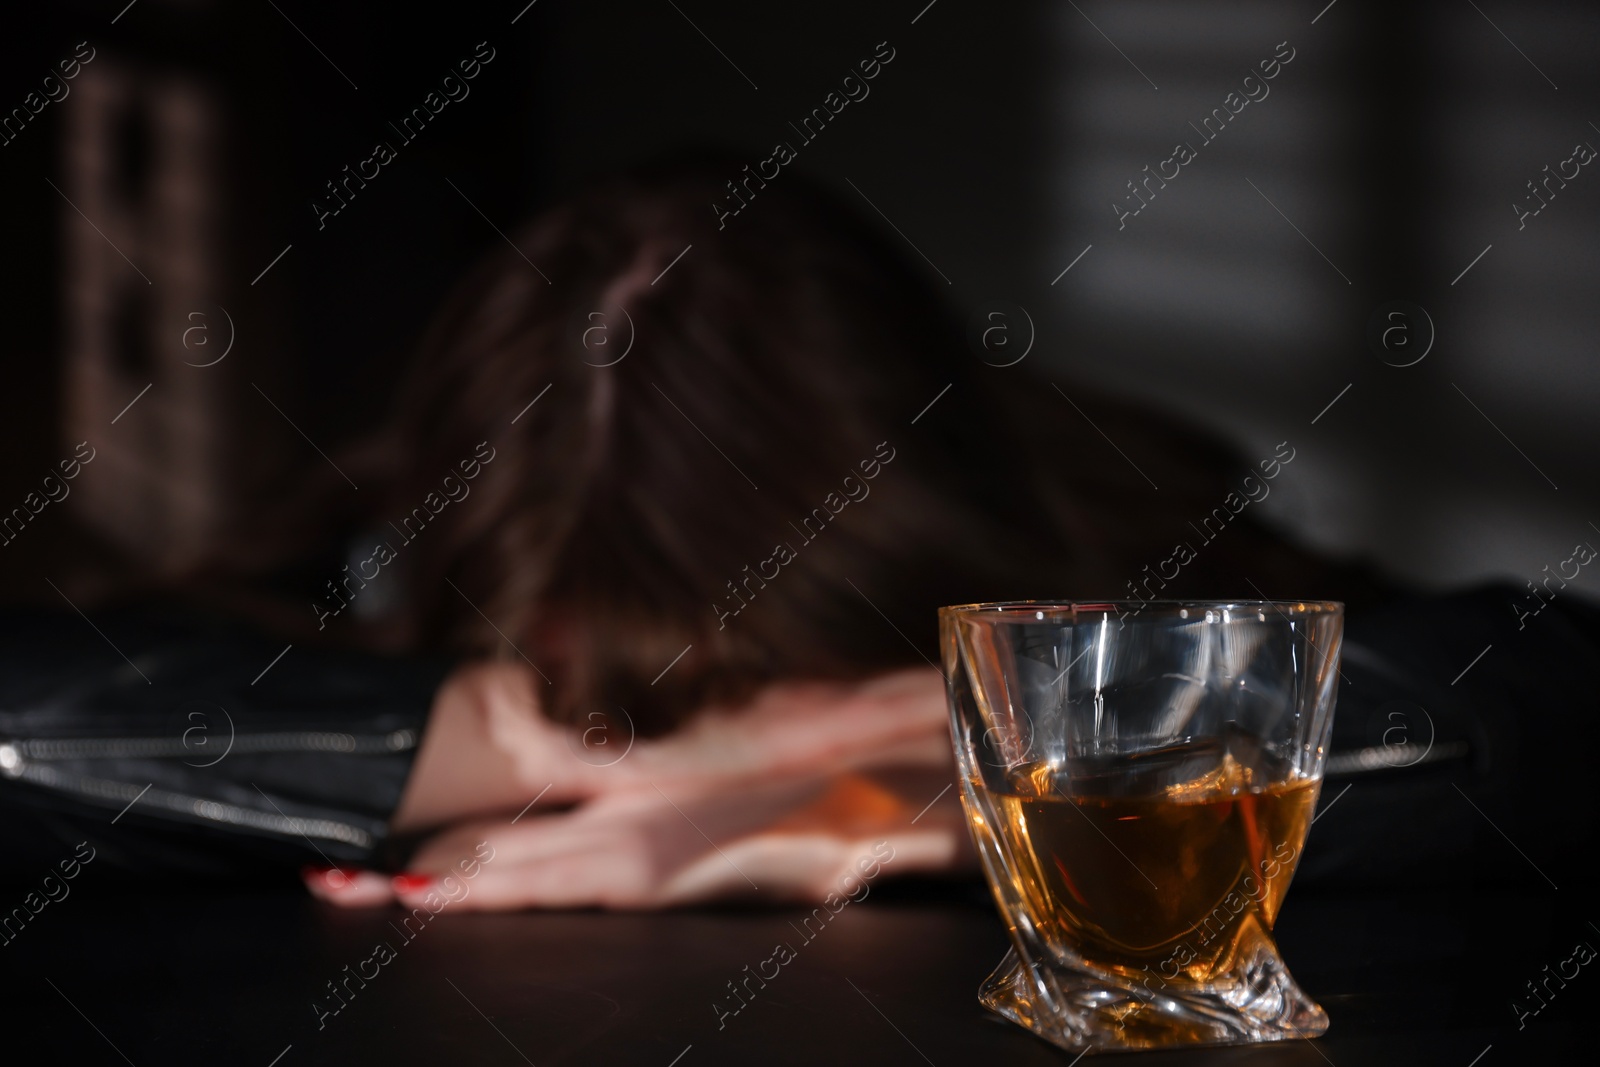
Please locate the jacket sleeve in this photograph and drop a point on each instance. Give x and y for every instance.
(1460, 737)
(174, 744)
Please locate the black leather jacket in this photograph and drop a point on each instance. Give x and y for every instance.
(176, 744)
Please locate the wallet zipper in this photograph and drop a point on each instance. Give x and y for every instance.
(63, 748)
(28, 761)
(1375, 758)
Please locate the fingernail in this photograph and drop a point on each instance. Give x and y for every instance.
(405, 884)
(331, 877)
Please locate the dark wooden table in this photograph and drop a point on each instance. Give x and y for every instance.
(153, 975)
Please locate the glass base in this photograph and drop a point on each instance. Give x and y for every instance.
(1257, 1002)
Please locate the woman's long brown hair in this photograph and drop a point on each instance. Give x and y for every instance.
(696, 518)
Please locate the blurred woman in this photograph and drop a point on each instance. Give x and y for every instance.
(664, 524)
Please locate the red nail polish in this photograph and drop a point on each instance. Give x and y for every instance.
(330, 877)
(405, 884)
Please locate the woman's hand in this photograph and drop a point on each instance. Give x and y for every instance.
(796, 796)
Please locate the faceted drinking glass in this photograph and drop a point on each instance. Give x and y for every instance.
(1140, 778)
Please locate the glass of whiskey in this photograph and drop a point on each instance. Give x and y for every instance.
(1139, 778)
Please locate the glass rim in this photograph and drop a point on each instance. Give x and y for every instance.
(1009, 609)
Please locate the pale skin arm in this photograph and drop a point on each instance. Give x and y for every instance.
(781, 799)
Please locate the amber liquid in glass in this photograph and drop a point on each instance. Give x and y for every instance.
(1163, 868)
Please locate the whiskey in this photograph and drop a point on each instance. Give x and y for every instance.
(1140, 816)
(1166, 868)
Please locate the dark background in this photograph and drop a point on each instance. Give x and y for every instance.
(1396, 142)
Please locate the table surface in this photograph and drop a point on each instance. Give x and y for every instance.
(181, 975)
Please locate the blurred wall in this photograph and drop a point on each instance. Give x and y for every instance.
(1377, 167)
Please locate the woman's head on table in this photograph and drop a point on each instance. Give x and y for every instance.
(732, 450)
